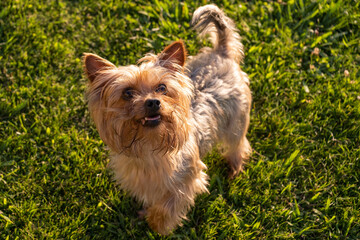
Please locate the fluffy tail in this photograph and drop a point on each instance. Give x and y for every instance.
(211, 20)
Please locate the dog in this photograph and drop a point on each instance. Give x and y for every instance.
(161, 116)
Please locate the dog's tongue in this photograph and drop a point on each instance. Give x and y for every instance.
(152, 118)
(144, 120)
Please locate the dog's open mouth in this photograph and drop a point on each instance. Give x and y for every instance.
(151, 121)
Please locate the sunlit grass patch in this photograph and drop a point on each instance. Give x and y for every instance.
(302, 181)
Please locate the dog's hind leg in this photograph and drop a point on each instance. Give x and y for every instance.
(236, 156)
(237, 147)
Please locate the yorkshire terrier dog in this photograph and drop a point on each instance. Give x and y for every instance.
(160, 117)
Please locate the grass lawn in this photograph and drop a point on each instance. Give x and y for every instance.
(303, 180)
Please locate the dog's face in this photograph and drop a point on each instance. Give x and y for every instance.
(138, 109)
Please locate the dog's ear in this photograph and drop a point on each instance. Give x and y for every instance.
(93, 64)
(173, 56)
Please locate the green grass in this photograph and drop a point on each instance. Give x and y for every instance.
(303, 179)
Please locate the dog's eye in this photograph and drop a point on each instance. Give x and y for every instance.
(161, 89)
(128, 94)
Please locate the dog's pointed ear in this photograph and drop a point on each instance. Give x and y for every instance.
(173, 56)
(93, 64)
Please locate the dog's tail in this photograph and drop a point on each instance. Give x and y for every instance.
(211, 20)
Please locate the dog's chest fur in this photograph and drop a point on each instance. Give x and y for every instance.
(160, 174)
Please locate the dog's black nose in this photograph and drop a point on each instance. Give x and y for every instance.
(152, 105)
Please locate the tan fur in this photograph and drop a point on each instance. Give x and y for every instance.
(160, 117)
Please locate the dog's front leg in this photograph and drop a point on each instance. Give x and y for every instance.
(165, 215)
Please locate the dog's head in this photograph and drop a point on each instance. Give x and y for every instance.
(141, 108)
